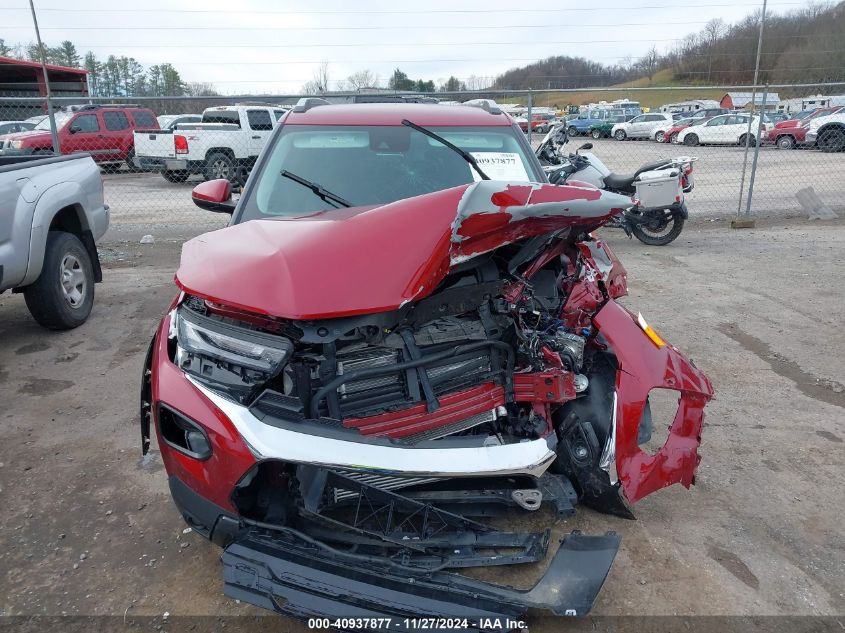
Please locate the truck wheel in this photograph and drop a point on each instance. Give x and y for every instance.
(63, 295)
(620, 135)
(596, 134)
(832, 140)
(572, 131)
(177, 175)
(219, 165)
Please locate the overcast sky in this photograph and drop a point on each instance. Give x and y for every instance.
(253, 46)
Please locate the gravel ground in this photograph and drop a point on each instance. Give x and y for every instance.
(88, 527)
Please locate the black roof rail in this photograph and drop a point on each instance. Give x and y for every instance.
(94, 106)
(306, 103)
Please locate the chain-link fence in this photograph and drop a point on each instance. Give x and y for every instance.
(154, 150)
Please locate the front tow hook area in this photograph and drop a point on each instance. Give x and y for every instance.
(290, 573)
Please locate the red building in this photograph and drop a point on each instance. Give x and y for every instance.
(20, 78)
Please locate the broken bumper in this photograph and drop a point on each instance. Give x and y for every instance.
(296, 576)
(334, 449)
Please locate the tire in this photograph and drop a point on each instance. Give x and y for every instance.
(596, 134)
(572, 131)
(659, 237)
(620, 135)
(219, 165)
(63, 295)
(785, 142)
(660, 136)
(832, 140)
(176, 175)
(130, 161)
(752, 142)
(674, 138)
(691, 140)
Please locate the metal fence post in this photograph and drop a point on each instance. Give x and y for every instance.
(53, 132)
(530, 103)
(746, 222)
(757, 143)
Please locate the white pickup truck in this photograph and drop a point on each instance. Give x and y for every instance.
(228, 139)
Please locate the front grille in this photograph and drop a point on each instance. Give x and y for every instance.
(385, 482)
(451, 429)
(392, 390)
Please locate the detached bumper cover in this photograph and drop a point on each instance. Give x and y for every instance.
(296, 577)
(339, 450)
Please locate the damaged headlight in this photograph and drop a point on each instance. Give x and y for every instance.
(227, 357)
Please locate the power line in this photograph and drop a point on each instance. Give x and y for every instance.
(388, 12)
(439, 27)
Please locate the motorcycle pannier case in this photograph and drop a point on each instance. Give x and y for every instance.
(658, 189)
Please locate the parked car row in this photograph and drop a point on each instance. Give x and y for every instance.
(216, 143)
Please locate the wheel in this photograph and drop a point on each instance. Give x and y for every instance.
(785, 142)
(62, 296)
(572, 131)
(660, 231)
(219, 165)
(660, 136)
(752, 142)
(620, 135)
(130, 161)
(691, 140)
(596, 134)
(542, 129)
(832, 140)
(674, 138)
(177, 175)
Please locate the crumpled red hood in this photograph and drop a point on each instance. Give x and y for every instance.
(375, 259)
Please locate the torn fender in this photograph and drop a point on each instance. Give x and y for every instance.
(644, 366)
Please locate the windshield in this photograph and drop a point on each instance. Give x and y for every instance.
(61, 120)
(370, 165)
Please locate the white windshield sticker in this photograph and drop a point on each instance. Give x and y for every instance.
(500, 166)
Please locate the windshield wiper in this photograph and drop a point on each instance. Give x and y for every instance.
(463, 154)
(323, 194)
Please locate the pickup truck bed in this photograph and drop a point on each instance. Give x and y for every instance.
(52, 214)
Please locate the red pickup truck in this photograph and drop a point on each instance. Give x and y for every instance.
(104, 131)
(793, 132)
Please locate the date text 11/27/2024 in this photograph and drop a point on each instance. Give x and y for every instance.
(425, 623)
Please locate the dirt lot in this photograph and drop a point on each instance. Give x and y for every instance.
(88, 526)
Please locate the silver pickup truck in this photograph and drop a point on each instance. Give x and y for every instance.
(51, 214)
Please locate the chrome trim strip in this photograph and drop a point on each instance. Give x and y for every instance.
(607, 462)
(269, 442)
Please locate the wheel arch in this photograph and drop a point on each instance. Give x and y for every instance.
(59, 209)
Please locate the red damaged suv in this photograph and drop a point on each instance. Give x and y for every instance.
(404, 330)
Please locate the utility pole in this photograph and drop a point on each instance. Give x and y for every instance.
(744, 220)
(53, 132)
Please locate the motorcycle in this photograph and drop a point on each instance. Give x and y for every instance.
(658, 188)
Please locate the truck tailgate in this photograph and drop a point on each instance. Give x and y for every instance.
(154, 144)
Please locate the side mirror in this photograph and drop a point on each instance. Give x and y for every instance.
(214, 195)
(74, 129)
(586, 146)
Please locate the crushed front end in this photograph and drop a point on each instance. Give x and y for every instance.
(349, 460)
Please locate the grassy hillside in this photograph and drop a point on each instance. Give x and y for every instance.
(648, 99)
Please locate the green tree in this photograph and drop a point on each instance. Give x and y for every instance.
(65, 54)
(399, 81)
(453, 84)
(94, 68)
(5, 51)
(424, 86)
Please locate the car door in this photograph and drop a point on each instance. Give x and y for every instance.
(117, 133)
(736, 126)
(260, 127)
(636, 126)
(711, 132)
(85, 134)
